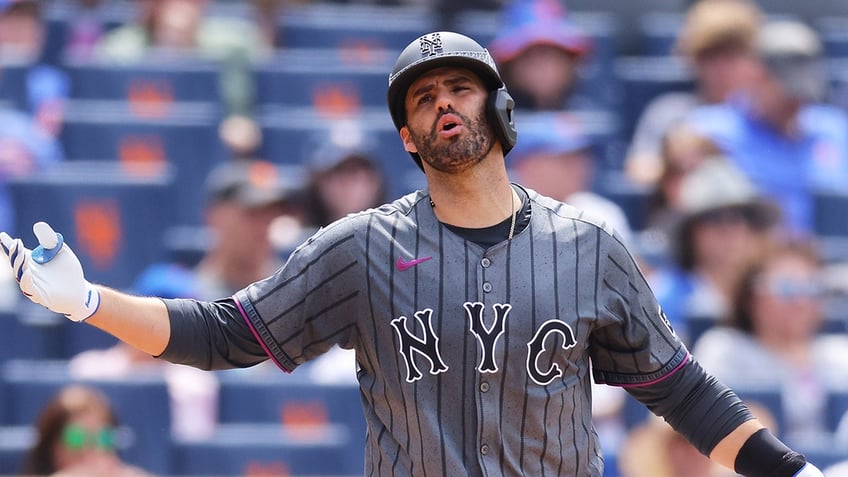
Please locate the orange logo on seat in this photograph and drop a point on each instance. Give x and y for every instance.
(271, 469)
(98, 229)
(143, 151)
(335, 99)
(150, 99)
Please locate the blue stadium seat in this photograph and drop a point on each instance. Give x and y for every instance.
(182, 135)
(632, 198)
(837, 407)
(13, 85)
(261, 449)
(31, 332)
(333, 25)
(643, 78)
(658, 31)
(141, 404)
(296, 403)
(326, 79)
(289, 135)
(113, 218)
(163, 80)
(15, 441)
(834, 34)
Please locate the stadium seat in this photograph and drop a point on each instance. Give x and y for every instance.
(658, 31)
(182, 135)
(289, 136)
(333, 25)
(15, 441)
(297, 404)
(641, 79)
(13, 85)
(113, 217)
(261, 449)
(837, 407)
(329, 80)
(163, 81)
(141, 404)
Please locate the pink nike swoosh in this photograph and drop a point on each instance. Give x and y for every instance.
(406, 265)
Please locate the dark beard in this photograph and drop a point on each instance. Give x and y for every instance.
(462, 152)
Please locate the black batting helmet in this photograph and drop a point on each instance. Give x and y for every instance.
(445, 48)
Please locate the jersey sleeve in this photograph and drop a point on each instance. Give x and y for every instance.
(310, 303)
(634, 343)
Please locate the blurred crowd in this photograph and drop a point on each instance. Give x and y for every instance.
(716, 185)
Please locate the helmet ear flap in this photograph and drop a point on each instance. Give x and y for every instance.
(499, 109)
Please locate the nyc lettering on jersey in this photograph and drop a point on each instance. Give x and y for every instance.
(427, 345)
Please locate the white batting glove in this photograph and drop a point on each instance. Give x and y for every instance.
(51, 274)
(809, 470)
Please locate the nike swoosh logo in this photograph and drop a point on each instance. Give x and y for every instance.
(406, 265)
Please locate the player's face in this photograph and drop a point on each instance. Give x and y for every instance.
(446, 123)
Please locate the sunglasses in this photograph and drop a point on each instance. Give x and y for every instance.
(77, 438)
(791, 289)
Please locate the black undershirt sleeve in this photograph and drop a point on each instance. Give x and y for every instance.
(210, 335)
(695, 404)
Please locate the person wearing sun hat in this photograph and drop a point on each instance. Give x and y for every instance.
(540, 51)
(723, 226)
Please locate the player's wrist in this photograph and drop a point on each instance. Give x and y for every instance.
(89, 305)
(764, 455)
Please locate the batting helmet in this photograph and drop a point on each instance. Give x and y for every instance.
(438, 49)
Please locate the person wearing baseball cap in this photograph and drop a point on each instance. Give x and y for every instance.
(540, 51)
(556, 158)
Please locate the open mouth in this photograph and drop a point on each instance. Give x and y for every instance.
(448, 123)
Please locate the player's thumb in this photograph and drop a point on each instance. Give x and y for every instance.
(47, 238)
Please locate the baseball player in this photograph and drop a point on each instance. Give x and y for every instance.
(474, 307)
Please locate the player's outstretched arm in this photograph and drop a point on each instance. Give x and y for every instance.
(51, 275)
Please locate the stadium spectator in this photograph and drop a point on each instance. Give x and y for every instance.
(555, 157)
(344, 176)
(682, 151)
(76, 438)
(539, 54)
(244, 197)
(716, 42)
(180, 27)
(722, 229)
(773, 340)
(777, 133)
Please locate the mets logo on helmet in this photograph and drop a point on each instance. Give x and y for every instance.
(430, 44)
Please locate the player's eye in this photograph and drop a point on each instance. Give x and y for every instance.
(425, 98)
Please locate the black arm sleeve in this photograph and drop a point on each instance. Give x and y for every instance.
(695, 404)
(210, 335)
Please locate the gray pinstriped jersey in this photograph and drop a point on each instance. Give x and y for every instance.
(473, 361)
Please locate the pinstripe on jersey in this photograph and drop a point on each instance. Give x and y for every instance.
(474, 361)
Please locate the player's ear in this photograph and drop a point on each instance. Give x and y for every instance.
(408, 144)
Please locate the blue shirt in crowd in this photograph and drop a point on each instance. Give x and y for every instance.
(788, 170)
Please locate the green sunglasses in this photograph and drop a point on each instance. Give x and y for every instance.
(77, 438)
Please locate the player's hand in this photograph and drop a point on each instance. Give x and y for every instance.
(809, 470)
(51, 274)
